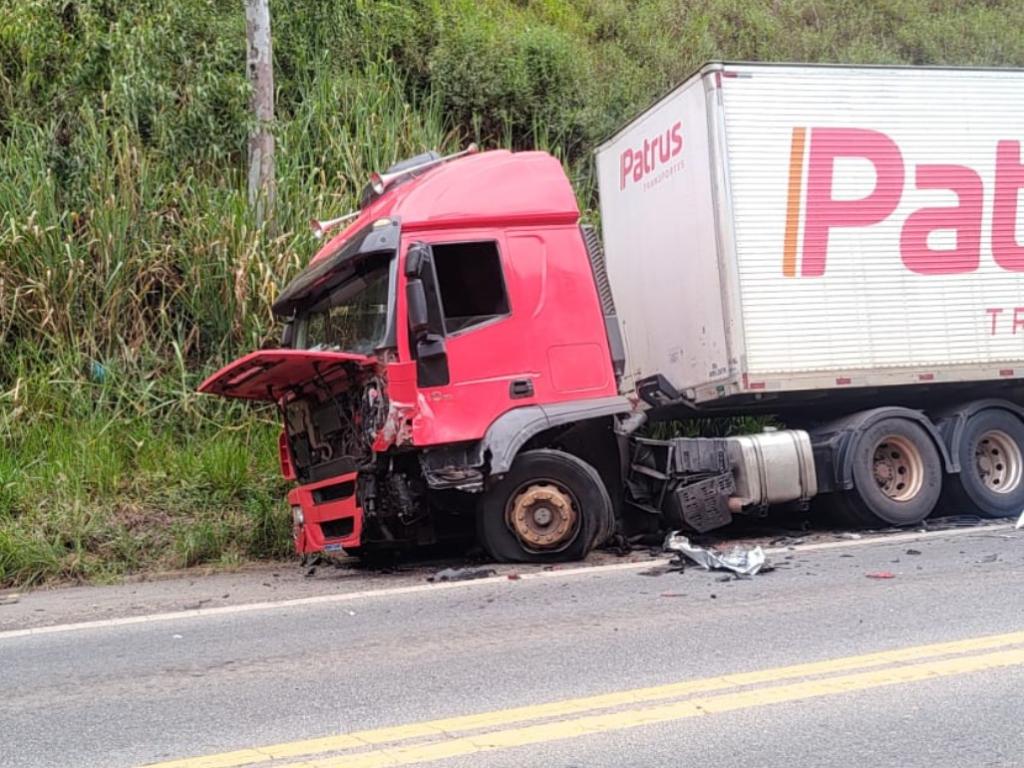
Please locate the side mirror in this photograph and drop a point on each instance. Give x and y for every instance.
(416, 301)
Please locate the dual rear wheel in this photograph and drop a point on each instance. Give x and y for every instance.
(899, 477)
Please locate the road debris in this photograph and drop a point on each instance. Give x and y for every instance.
(10, 599)
(462, 574)
(849, 535)
(881, 575)
(676, 566)
(514, 577)
(1020, 522)
(913, 551)
(745, 562)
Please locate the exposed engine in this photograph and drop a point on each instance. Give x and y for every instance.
(332, 435)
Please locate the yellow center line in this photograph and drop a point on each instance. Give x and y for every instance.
(447, 727)
(617, 721)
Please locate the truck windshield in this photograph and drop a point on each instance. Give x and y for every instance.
(354, 316)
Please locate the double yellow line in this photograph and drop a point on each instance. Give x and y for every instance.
(555, 721)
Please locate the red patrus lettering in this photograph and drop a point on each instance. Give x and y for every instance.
(824, 212)
(964, 218)
(625, 166)
(1006, 249)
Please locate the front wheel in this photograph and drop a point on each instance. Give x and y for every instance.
(550, 507)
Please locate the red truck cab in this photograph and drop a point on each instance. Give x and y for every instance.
(456, 322)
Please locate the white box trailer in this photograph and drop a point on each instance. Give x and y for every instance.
(783, 228)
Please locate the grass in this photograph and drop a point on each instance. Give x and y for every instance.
(129, 263)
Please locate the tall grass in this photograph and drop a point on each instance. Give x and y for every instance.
(129, 263)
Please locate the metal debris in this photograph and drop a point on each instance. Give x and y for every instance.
(462, 574)
(745, 562)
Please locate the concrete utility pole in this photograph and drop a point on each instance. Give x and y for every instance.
(260, 68)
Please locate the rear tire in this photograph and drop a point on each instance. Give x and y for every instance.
(897, 475)
(549, 507)
(991, 477)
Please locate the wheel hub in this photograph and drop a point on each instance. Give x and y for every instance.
(898, 468)
(998, 461)
(543, 516)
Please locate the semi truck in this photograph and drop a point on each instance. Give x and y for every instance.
(841, 248)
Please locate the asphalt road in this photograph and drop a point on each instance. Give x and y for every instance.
(812, 664)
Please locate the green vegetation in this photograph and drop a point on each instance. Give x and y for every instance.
(129, 265)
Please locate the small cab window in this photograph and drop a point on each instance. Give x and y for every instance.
(471, 284)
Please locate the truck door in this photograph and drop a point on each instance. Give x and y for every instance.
(479, 365)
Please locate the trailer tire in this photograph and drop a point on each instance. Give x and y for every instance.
(991, 477)
(549, 507)
(897, 475)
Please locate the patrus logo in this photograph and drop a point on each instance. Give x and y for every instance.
(813, 211)
(653, 155)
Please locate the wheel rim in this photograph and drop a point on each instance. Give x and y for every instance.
(543, 515)
(997, 460)
(898, 468)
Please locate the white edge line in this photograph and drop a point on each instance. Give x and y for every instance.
(892, 538)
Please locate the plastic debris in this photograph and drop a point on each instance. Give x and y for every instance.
(881, 575)
(745, 562)
(462, 574)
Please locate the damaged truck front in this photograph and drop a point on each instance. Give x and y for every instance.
(451, 323)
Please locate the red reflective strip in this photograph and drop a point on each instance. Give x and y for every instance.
(1006, 371)
(842, 381)
(756, 385)
(926, 377)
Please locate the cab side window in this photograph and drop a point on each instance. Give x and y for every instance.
(471, 284)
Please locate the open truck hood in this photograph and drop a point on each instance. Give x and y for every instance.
(269, 374)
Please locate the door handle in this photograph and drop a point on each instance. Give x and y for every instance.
(520, 388)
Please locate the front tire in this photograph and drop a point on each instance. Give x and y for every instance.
(549, 507)
(991, 477)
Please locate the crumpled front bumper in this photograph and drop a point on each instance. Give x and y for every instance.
(326, 515)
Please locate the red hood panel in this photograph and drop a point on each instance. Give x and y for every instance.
(271, 373)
